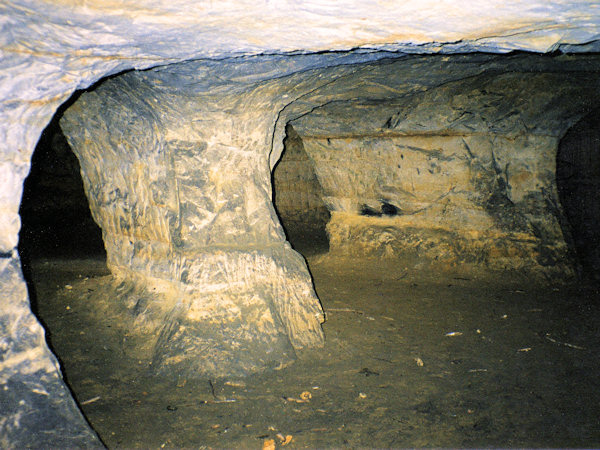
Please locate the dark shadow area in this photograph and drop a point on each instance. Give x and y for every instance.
(56, 223)
(55, 214)
(298, 198)
(578, 182)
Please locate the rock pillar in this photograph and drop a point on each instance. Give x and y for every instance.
(179, 182)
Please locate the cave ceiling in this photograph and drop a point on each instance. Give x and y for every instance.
(51, 49)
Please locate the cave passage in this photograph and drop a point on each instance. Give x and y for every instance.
(55, 214)
(57, 228)
(423, 351)
(298, 198)
(578, 182)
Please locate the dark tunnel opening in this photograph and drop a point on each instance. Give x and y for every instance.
(59, 243)
(56, 222)
(578, 183)
(55, 214)
(298, 198)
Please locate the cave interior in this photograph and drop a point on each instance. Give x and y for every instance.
(414, 188)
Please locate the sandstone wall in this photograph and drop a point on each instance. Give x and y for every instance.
(451, 199)
(463, 173)
(181, 190)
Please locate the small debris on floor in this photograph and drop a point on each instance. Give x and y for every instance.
(454, 333)
(305, 396)
(91, 400)
(367, 372)
(285, 440)
(269, 444)
(566, 344)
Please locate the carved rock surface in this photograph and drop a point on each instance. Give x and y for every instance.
(183, 196)
(50, 49)
(452, 170)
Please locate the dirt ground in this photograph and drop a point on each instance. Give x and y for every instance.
(412, 358)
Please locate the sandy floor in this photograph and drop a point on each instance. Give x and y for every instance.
(412, 359)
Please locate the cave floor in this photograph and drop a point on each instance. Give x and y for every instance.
(412, 359)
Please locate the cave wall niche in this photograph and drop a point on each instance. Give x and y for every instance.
(298, 197)
(578, 180)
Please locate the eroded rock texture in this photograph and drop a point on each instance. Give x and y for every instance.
(178, 177)
(50, 49)
(447, 161)
(37, 408)
(457, 165)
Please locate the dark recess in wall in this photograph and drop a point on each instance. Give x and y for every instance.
(578, 182)
(298, 197)
(55, 216)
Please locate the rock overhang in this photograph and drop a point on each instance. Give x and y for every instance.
(52, 49)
